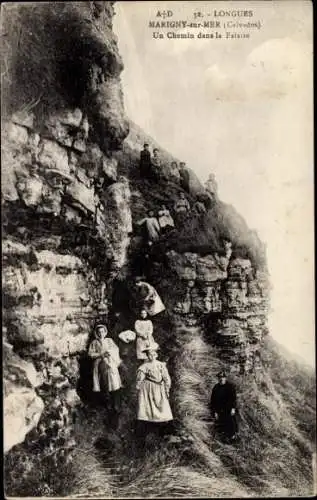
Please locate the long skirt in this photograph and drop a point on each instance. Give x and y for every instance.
(105, 378)
(153, 403)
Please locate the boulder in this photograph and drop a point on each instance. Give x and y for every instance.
(53, 155)
(9, 191)
(80, 145)
(23, 118)
(109, 168)
(71, 397)
(21, 329)
(106, 111)
(81, 196)
(18, 370)
(30, 190)
(71, 117)
(16, 133)
(82, 177)
(22, 412)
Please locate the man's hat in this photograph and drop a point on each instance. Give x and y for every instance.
(221, 374)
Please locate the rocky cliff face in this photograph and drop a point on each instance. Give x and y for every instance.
(67, 215)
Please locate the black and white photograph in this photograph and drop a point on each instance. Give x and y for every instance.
(158, 295)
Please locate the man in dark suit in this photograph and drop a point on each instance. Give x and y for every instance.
(223, 406)
(145, 161)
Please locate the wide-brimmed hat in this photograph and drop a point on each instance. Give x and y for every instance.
(152, 347)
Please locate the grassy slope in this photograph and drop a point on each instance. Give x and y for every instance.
(272, 459)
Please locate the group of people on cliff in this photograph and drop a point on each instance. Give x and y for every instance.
(152, 380)
(160, 222)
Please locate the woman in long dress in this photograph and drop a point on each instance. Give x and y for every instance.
(106, 360)
(153, 386)
(143, 328)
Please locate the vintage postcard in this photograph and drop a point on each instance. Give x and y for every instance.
(158, 249)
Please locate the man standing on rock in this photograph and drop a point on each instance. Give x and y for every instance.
(223, 406)
(145, 161)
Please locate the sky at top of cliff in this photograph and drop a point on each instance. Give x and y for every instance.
(241, 109)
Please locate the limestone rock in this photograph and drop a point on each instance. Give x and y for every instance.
(183, 264)
(53, 155)
(11, 247)
(184, 305)
(107, 113)
(30, 190)
(22, 330)
(56, 260)
(82, 177)
(34, 140)
(80, 145)
(72, 398)
(72, 215)
(8, 188)
(18, 370)
(240, 268)
(22, 412)
(23, 118)
(81, 196)
(209, 270)
(51, 200)
(234, 296)
(16, 133)
(59, 132)
(91, 160)
(206, 299)
(118, 220)
(71, 117)
(109, 168)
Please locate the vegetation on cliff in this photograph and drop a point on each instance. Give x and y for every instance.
(71, 206)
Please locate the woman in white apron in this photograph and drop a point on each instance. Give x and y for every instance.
(106, 360)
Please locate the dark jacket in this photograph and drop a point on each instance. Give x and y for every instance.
(223, 398)
(145, 160)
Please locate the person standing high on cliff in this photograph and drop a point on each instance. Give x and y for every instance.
(184, 176)
(223, 406)
(145, 161)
